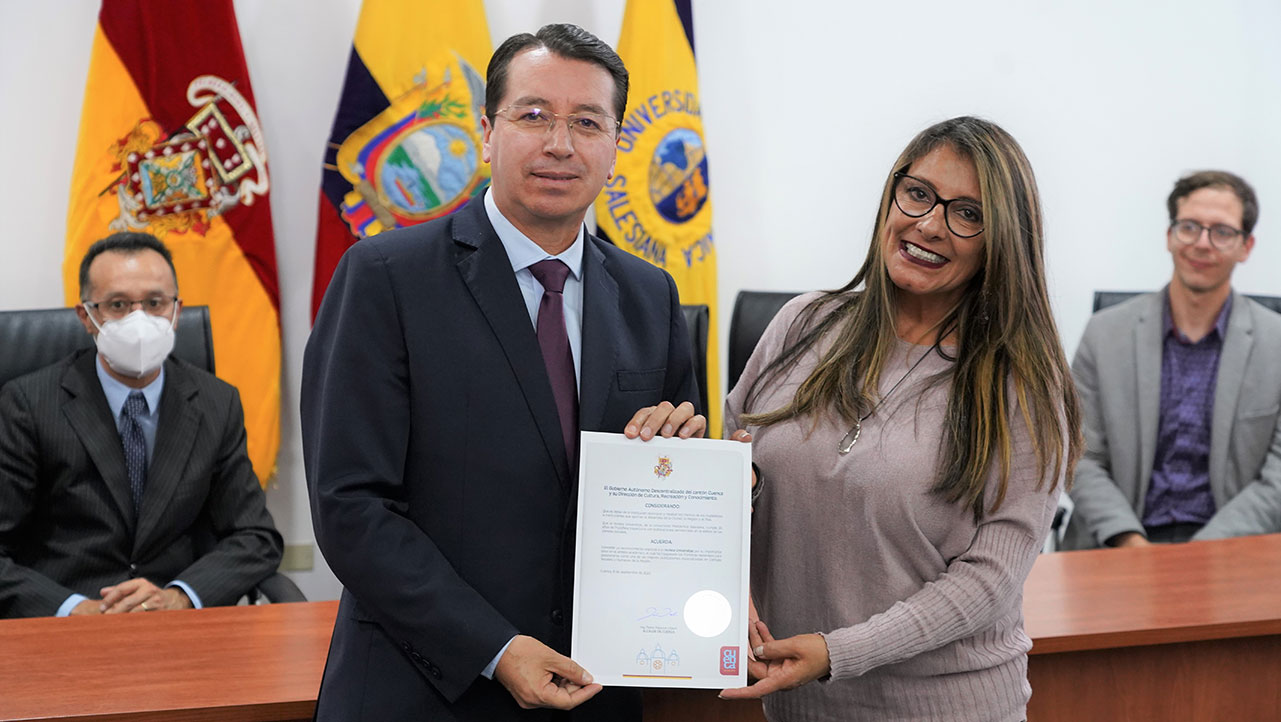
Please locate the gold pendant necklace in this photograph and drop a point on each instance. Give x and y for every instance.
(851, 437)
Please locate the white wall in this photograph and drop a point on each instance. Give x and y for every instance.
(806, 105)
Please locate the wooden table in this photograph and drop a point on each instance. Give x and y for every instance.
(1162, 634)
(1176, 633)
(1189, 632)
(229, 664)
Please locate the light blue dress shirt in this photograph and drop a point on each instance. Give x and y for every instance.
(523, 253)
(117, 393)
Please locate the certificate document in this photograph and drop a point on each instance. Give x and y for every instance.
(660, 585)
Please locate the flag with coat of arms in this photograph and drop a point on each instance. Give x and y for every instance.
(657, 206)
(405, 146)
(170, 144)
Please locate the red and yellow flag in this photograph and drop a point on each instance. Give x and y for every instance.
(170, 145)
(657, 205)
(406, 141)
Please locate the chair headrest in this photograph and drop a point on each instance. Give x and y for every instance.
(753, 310)
(33, 339)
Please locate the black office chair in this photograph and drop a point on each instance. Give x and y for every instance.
(1103, 299)
(33, 339)
(753, 310)
(696, 322)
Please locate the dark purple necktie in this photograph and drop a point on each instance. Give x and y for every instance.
(554, 342)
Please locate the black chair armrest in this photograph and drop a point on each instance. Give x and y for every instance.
(696, 316)
(753, 310)
(277, 589)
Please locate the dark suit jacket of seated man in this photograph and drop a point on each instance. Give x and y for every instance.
(69, 521)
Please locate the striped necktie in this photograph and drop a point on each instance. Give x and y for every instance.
(135, 445)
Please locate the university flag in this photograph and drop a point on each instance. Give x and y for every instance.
(406, 141)
(657, 205)
(170, 145)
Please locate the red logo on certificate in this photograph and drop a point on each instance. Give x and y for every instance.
(729, 661)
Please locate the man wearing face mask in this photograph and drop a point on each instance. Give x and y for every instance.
(124, 481)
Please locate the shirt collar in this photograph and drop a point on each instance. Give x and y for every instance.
(1220, 322)
(117, 392)
(522, 252)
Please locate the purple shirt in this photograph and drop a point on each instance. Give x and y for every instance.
(1180, 488)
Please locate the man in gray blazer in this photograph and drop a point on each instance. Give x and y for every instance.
(1181, 391)
(124, 481)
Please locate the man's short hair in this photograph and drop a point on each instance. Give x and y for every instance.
(127, 242)
(566, 41)
(1189, 184)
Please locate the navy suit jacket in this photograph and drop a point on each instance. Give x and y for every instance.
(67, 521)
(439, 485)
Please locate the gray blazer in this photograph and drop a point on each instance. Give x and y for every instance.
(67, 522)
(1118, 376)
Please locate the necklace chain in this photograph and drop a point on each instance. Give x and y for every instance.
(851, 437)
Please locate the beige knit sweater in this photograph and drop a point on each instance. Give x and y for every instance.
(921, 607)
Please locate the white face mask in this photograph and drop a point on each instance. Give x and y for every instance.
(137, 344)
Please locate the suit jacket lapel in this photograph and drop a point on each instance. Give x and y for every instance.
(87, 412)
(176, 431)
(487, 272)
(1149, 333)
(602, 318)
(1228, 384)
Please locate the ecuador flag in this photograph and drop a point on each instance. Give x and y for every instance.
(406, 141)
(657, 205)
(170, 145)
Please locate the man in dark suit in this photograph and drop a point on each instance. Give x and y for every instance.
(449, 371)
(124, 481)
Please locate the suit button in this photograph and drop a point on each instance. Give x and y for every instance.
(435, 671)
(133, 570)
(405, 646)
(558, 617)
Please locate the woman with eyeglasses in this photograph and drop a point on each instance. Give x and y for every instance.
(913, 431)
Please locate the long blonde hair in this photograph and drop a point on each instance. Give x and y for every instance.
(1005, 330)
